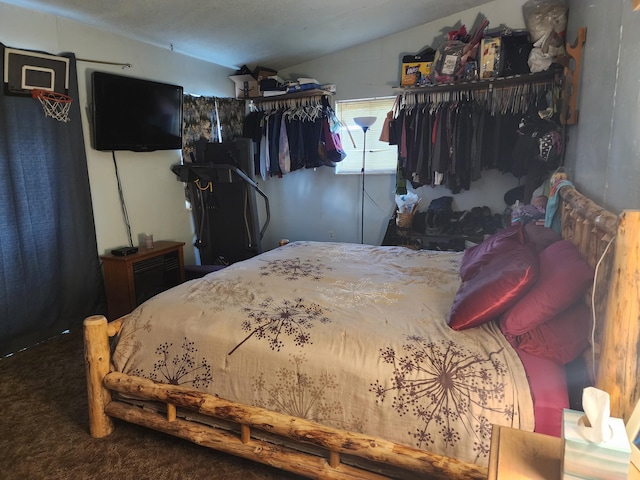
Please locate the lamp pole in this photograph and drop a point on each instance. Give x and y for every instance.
(364, 123)
(364, 150)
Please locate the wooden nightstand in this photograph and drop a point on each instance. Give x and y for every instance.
(132, 279)
(516, 454)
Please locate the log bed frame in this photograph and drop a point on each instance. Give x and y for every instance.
(328, 453)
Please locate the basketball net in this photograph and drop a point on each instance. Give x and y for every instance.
(55, 105)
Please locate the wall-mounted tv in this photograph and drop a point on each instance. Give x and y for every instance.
(135, 114)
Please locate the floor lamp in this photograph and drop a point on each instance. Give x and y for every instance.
(364, 123)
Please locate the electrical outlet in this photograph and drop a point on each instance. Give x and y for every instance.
(330, 234)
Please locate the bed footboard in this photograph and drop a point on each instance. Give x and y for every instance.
(97, 359)
(323, 452)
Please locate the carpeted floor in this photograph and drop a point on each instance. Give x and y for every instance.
(44, 429)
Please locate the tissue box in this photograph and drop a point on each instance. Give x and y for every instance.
(584, 459)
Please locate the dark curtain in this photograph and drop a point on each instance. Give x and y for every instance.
(50, 277)
(198, 116)
(201, 118)
(231, 112)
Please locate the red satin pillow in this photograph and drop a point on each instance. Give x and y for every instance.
(476, 257)
(494, 288)
(564, 278)
(561, 339)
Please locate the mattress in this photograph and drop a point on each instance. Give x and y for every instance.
(350, 336)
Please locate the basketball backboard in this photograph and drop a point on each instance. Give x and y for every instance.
(25, 71)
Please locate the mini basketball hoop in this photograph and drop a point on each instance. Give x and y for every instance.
(55, 105)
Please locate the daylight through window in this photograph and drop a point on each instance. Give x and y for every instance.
(380, 156)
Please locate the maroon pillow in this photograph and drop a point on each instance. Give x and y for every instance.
(474, 258)
(494, 288)
(561, 339)
(540, 236)
(564, 278)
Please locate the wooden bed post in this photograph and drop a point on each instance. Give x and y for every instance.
(97, 359)
(619, 362)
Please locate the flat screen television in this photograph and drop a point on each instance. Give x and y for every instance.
(135, 114)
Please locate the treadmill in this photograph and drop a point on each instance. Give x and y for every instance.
(223, 195)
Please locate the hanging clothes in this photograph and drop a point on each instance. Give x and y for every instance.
(292, 134)
(274, 121)
(448, 137)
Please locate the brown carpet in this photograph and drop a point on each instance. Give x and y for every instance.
(44, 429)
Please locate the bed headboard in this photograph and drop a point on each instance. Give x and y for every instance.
(611, 244)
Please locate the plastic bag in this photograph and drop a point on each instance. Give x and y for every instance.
(546, 21)
(407, 203)
(448, 64)
(455, 59)
(544, 52)
(538, 60)
(545, 17)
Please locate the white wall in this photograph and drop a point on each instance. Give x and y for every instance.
(604, 150)
(153, 196)
(304, 204)
(373, 70)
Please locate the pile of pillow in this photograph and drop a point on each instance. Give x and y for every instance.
(532, 283)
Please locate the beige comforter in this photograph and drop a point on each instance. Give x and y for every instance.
(351, 336)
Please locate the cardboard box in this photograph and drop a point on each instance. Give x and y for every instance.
(246, 86)
(415, 73)
(587, 460)
(261, 73)
(416, 69)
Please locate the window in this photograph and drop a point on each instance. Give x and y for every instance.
(380, 156)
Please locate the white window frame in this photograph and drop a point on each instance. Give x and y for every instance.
(380, 158)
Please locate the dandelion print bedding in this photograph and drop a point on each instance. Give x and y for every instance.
(350, 336)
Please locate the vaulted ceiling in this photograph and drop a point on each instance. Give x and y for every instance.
(273, 33)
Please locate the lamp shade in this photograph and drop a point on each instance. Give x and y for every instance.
(364, 122)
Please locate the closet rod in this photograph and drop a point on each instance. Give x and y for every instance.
(277, 103)
(104, 62)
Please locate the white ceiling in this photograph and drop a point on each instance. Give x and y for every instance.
(273, 33)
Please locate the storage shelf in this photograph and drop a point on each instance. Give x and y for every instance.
(547, 76)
